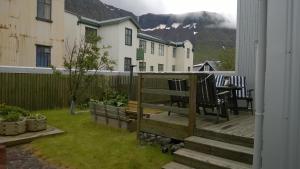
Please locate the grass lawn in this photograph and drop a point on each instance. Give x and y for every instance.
(87, 145)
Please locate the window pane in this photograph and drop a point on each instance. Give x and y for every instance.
(40, 10)
(47, 11)
(43, 56)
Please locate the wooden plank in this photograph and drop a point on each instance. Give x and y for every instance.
(165, 76)
(166, 92)
(192, 104)
(166, 108)
(164, 129)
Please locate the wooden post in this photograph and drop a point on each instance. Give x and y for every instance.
(2, 157)
(192, 104)
(139, 105)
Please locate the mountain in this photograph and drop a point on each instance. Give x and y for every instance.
(95, 9)
(210, 33)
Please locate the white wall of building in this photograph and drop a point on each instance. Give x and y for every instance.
(281, 125)
(20, 32)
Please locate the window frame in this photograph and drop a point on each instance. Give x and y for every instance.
(143, 45)
(174, 52)
(128, 42)
(127, 67)
(142, 66)
(43, 55)
(160, 66)
(43, 18)
(151, 68)
(161, 50)
(85, 33)
(152, 48)
(173, 68)
(188, 53)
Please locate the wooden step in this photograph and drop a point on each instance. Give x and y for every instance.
(205, 161)
(220, 149)
(174, 165)
(233, 139)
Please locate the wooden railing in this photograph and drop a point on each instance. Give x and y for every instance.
(190, 110)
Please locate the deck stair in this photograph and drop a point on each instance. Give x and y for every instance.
(203, 153)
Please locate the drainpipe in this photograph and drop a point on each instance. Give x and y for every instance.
(260, 83)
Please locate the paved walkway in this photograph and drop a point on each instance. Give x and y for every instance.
(20, 157)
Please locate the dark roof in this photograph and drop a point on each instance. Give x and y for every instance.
(96, 23)
(95, 9)
(159, 40)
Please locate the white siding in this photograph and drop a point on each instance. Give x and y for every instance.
(281, 129)
(247, 34)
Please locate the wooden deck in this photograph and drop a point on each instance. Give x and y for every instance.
(239, 130)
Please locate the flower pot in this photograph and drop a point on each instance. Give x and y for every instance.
(34, 125)
(13, 128)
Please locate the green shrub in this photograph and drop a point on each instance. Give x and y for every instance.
(5, 110)
(12, 117)
(113, 98)
(36, 116)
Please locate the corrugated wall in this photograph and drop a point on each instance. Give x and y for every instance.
(247, 34)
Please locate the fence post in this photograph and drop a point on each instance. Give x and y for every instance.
(2, 157)
(139, 106)
(192, 104)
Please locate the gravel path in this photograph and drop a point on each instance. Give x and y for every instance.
(19, 157)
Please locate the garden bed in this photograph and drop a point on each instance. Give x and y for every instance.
(112, 116)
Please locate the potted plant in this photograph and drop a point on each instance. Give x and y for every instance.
(36, 122)
(12, 123)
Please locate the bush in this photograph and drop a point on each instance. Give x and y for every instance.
(113, 98)
(36, 116)
(12, 117)
(5, 110)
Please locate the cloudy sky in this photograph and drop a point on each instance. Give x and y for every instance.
(226, 7)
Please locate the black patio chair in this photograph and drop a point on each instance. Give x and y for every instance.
(178, 85)
(208, 97)
(243, 94)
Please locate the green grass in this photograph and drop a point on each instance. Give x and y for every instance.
(87, 145)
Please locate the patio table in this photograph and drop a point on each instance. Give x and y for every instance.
(233, 101)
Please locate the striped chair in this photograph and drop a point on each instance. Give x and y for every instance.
(243, 94)
(219, 80)
(207, 96)
(178, 85)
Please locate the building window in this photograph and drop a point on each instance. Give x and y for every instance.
(151, 68)
(173, 68)
(206, 68)
(189, 69)
(188, 52)
(128, 37)
(152, 48)
(44, 10)
(142, 66)
(127, 64)
(90, 34)
(143, 45)
(161, 50)
(160, 67)
(43, 56)
(174, 52)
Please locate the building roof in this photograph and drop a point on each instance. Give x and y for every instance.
(212, 64)
(97, 23)
(159, 40)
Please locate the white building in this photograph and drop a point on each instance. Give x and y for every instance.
(124, 39)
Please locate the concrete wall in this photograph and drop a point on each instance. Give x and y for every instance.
(281, 128)
(20, 32)
(247, 35)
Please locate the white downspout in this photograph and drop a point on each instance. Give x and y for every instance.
(260, 83)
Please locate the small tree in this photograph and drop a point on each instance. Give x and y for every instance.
(82, 61)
